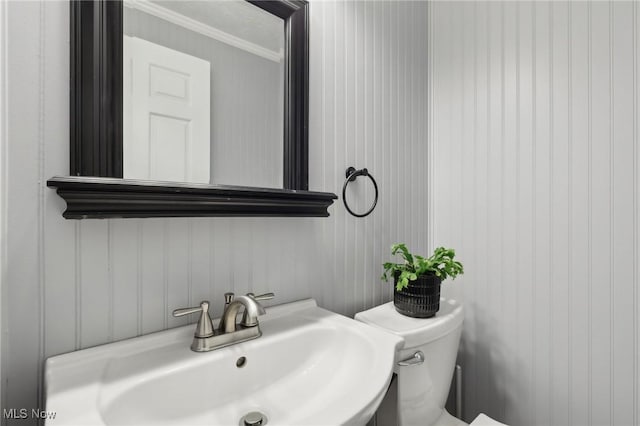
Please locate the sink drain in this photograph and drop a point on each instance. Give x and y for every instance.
(254, 418)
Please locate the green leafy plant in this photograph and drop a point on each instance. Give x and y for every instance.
(441, 263)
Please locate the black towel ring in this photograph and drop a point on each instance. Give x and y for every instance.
(351, 175)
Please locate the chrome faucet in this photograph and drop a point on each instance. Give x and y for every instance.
(251, 311)
(206, 338)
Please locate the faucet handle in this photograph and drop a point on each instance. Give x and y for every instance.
(205, 327)
(265, 296)
(186, 311)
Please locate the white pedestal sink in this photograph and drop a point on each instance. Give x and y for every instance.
(310, 367)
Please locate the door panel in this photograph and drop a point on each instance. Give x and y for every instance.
(166, 114)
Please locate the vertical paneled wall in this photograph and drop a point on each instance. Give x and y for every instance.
(535, 181)
(74, 284)
(3, 179)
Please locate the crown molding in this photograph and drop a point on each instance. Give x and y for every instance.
(198, 27)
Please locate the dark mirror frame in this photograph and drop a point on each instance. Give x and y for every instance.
(95, 188)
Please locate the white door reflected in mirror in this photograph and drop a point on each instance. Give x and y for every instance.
(203, 93)
(167, 97)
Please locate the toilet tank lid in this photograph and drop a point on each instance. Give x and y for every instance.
(415, 331)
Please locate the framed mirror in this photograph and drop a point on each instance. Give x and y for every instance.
(152, 116)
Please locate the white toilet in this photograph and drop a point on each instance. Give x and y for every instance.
(424, 366)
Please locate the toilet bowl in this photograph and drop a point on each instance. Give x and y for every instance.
(425, 364)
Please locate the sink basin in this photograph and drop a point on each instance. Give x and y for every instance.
(310, 367)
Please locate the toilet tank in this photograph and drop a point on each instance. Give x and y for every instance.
(422, 389)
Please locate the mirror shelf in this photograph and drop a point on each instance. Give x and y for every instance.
(101, 198)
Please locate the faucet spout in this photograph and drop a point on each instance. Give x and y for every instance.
(252, 310)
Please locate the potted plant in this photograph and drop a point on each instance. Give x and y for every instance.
(417, 280)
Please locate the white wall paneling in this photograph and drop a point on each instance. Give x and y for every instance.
(3, 186)
(73, 284)
(535, 181)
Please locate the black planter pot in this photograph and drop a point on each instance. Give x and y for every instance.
(421, 299)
